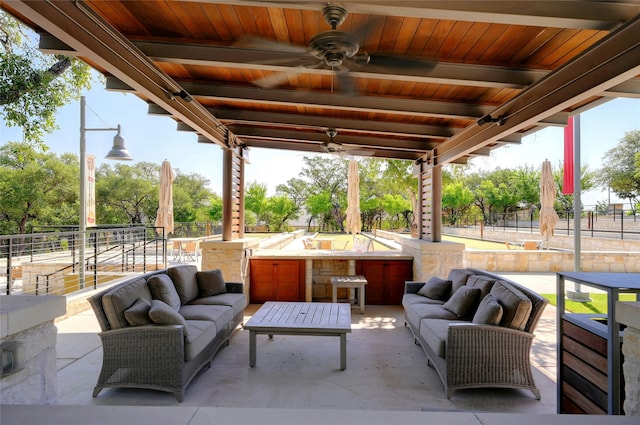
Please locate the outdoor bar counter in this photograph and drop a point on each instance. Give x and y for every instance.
(304, 275)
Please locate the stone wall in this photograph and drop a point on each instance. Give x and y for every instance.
(28, 345)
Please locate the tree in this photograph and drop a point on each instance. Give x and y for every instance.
(127, 194)
(457, 199)
(215, 208)
(282, 209)
(37, 188)
(34, 85)
(620, 172)
(255, 200)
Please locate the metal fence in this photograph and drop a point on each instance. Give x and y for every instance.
(48, 262)
(615, 223)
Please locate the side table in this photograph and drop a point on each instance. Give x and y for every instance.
(356, 282)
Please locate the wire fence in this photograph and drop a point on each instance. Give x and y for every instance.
(49, 262)
(614, 223)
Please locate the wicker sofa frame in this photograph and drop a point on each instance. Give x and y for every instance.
(152, 357)
(479, 355)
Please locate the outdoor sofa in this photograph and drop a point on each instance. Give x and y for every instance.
(476, 328)
(160, 329)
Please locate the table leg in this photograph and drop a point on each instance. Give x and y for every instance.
(343, 351)
(361, 298)
(252, 348)
(334, 293)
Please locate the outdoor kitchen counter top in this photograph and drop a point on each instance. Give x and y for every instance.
(323, 254)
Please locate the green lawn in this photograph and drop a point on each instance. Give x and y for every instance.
(597, 305)
(476, 243)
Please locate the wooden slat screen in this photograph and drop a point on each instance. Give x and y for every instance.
(426, 199)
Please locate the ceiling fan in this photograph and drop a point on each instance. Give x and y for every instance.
(334, 49)
(338, 148)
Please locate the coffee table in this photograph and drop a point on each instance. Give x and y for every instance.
(300, 318)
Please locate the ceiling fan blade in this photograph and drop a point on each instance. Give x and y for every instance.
(346, 83)
(259, 43)
(359, 152)
(278, 78)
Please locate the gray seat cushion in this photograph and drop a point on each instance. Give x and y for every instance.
(120, 298)
(419, 311)
(201, 333)
(408, 299)
(220, 314)
(237, 302)
(435, 332)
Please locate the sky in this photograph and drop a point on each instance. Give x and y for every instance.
(153, 139)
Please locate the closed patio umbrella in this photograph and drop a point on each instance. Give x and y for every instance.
(354, 222)
(164, 218)
(548, 215)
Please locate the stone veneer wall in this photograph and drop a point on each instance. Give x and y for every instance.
(628, 313)
(437, 258)
(27, 330)
(322, 272)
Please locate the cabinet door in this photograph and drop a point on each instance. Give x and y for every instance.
(385, 279)
(287, 286)
(276, 280)
(262, 280)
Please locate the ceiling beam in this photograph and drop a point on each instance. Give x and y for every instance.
(579, 14)
(334, 101)
(96, 41)
(439, 73)
(616, 58)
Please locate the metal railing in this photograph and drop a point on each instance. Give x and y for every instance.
(48, 262)
(615, 223)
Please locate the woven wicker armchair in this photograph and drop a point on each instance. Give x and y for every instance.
(479, 355)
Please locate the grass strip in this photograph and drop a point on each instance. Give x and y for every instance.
(597, 305)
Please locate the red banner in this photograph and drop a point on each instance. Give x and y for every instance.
(567, 184)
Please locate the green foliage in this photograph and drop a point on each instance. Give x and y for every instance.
(215, 209)
(37, 188)
(621, 168)
(456, 201)
(34, 85)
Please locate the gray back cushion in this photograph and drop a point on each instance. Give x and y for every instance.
(184, 279)
(458, 278)
(116, 301)
(516, 306)
(163, 289)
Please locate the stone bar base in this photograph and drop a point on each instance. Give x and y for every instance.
(232, 257)
(432, 258)
(628, 313)
(28, 348)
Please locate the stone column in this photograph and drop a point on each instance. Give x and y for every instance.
(432, 258)
(232, 257)
(628, 313)
(28, 348)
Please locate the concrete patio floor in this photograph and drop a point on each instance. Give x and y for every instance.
(386, 377)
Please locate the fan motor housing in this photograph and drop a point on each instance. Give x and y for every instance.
(333, 46)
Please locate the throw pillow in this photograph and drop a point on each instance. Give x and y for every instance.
(138, 313)
(436, 288)
(211, 283)
(462, 300)
(163, 314)
(162, 289)
(489, 311)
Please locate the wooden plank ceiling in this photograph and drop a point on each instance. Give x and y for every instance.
(437, 80)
